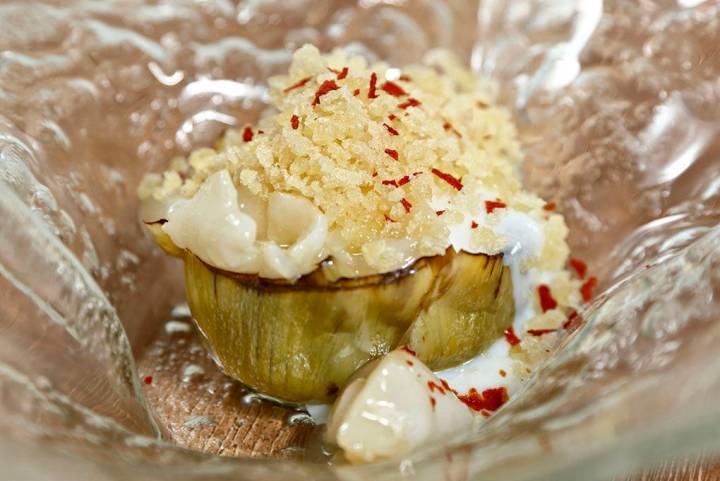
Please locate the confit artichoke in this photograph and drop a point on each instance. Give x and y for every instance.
(301, 341)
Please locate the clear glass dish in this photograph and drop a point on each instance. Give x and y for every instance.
(618, 104)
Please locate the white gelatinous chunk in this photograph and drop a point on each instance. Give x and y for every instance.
(234, 230)
(296, 232)
(255, 207)
(212, 226)
(394, 410)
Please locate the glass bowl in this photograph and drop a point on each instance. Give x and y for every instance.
(618, 106)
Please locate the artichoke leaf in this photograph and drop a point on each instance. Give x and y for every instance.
(471, 306)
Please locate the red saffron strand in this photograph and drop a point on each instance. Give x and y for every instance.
(439, 212)
(294, 122)
(579, 267)
(389, 219)
(411, 102)
(540, 332)
(396, 183)
(573, 321)
(586, 290)
(409, 350)
(547, 301)
(325, 87)
(247, 134)
(342, 74)
(435, 387)
(356, 92)
(473, 225)
(393, 89)
(392, 153)
(406, 204)
(511, 337)
(298, 84)
(391, 130)
(447, 387)
(491, 205)
(148, 380)
(372, 91)
(449, 126)
(489, 400)
(456, 183)
(550, 206)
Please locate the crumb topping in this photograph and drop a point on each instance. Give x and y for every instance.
(392, 162)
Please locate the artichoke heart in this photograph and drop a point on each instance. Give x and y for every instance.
(301, 341)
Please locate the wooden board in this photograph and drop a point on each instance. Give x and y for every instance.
(686, 469)
(203, 409)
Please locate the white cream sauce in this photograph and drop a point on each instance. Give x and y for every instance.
(524, 241)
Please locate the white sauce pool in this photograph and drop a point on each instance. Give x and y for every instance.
(524, 240)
